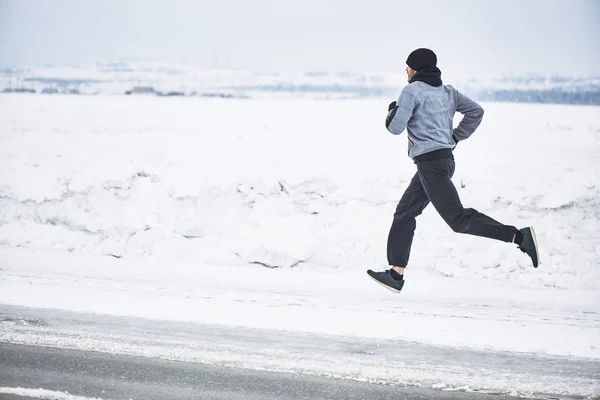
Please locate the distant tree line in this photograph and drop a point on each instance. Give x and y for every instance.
(552, 96)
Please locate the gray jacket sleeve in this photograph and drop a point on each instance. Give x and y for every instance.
(473, 114)
(398, 117)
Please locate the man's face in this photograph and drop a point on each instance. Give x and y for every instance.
(410, 72)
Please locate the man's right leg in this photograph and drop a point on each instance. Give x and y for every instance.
(413, 202)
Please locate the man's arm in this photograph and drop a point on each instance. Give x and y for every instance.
(473, 114)
(399, 115)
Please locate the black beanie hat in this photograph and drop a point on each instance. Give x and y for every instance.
(421, 58)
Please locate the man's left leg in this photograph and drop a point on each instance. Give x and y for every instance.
(436, 178)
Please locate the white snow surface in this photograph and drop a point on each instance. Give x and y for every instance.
(266, 214)
(305, 184)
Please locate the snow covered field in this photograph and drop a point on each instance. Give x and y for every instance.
(266, 214)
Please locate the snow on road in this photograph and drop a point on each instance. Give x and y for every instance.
(366, 359)
(43, 394)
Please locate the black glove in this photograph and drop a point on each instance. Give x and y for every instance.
(391, 106)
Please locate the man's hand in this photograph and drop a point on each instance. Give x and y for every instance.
(391, 106)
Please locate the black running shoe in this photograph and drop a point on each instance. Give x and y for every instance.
(529, 245)
(385, 278)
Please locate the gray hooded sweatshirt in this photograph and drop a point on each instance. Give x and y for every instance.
(427, 113)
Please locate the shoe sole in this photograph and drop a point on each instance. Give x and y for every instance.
(535, 243)
(384, 285)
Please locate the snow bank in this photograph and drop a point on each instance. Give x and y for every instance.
(291, 184)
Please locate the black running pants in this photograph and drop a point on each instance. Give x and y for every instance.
(432, 183)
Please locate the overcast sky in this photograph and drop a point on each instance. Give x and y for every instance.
(471, 37)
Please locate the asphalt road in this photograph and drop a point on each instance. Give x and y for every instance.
(107, 376)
